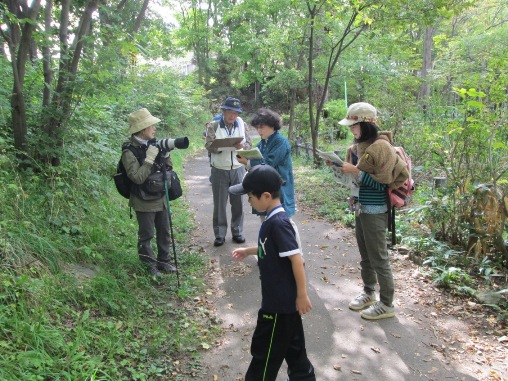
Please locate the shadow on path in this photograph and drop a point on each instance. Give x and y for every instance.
(341, 345)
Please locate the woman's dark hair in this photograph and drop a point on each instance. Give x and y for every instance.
(267, 117)
(369, 132)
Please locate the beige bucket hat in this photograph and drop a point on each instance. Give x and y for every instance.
(360, 112)
(141, 119)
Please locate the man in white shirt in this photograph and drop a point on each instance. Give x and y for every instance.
(226, 170)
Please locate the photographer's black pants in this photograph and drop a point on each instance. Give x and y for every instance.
(279, 337)
(147, 222)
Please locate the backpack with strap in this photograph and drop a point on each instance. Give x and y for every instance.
(399, 197)
(122, 182)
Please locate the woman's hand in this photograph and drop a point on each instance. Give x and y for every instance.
(242, 159)
(350, 168)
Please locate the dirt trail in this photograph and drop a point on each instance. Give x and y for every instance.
(416, 344)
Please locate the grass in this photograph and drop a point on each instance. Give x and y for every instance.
(451, 269)
(318, 192)
(75, 302)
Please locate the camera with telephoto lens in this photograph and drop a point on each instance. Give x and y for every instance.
(168, 144)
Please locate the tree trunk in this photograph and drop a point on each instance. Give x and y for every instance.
(350, 33)
(141, 16)
(19, 40)
(292, 104)
(428, 44)
(310, 91)
(59, 109)
(46, 57)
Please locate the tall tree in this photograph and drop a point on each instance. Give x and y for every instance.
(342, 25)
(20, 18)
(62, 36)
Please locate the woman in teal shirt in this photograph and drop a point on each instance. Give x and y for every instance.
(276, 152)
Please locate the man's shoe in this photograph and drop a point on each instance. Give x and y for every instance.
(362, 301)
(239, 238)
(378, 311)
(218, 241)
(166, 268)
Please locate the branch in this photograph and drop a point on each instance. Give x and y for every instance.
(141, 16)
(83, 29)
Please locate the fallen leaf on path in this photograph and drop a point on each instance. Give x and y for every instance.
(356, 371)
(337, 367)
(377, 350)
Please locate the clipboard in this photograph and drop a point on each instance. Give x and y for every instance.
(226, 142)
(253, 153)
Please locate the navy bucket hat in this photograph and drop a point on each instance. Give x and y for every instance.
(232, 104)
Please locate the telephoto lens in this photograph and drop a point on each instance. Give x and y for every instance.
(168, 144)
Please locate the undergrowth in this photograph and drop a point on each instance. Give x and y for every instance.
(75, 302)
(450, 268)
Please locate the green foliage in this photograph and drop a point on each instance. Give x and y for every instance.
(310, 182)
(75, 302)
(277, 90)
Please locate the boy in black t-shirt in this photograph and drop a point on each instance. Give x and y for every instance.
(279, 331)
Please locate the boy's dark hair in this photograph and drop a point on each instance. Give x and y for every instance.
(275, 194)
(267, 117)
(369, 132)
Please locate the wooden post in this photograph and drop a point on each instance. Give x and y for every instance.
(439, 182)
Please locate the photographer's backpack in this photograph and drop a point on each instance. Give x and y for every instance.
(399, 197)
(122, 181)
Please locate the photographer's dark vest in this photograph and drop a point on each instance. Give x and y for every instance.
(140, 190)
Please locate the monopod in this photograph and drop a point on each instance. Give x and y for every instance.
(165, 178)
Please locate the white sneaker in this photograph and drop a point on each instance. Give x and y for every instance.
(378, 311)
(363, 300)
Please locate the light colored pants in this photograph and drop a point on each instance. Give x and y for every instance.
(221, 181)
(375, 260)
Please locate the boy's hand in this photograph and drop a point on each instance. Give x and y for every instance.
(240, 254)
(303, 304)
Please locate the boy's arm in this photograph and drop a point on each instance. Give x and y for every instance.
(243, 252)
(303, 304)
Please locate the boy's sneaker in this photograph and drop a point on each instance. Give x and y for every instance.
(378, 311)
(363, 300)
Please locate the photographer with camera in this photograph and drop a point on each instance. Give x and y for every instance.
(146, 159)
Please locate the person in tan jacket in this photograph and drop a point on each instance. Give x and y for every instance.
(377, 166)
(141, 158)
